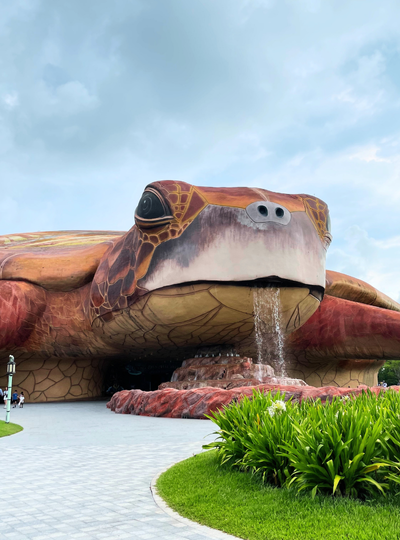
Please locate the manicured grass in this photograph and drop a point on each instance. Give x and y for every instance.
(8, 429)
(237, 503)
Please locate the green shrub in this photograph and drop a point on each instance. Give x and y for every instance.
(337, 447)
(391, 436)
(349, 446)
(251, 433)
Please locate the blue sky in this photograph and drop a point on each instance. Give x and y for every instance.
(97, 99)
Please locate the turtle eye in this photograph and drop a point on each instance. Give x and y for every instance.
(150, 206)
(152, 211)
(328, 224)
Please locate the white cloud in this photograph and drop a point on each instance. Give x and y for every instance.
(372, 260)
(69, 99)
(362, 103)
(389, 243)
(369, 153)
(10, 100)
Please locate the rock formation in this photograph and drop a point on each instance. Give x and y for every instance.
(198, 402)
(225, 372)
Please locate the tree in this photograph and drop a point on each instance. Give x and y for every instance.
(390, 373)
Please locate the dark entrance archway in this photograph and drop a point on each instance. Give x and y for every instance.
(127, 373)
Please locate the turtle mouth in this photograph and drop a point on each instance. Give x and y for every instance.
(272, 281)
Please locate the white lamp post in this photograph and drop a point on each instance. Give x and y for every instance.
(10, 373)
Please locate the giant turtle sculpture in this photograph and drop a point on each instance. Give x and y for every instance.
(181, 278)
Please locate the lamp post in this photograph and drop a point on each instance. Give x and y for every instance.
(10, 373)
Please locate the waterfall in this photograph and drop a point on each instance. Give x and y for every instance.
(258, 373)
(268, 328)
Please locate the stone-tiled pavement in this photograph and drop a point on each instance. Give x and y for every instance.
(80, 471)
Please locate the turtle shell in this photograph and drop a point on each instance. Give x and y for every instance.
(356, 290)
(60, 261)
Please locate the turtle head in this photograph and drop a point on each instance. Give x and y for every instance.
(236, 235)
(239, 238)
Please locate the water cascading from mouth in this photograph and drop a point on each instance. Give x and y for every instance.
(258, 374)
(268, 328)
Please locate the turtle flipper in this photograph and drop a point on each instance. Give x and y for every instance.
(21, 305)
(345, 329)
(344, 343)
(56, 261)
(356, 290)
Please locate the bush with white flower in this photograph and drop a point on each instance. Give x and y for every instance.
(349, 446)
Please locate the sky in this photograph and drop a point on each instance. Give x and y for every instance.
(100, 98)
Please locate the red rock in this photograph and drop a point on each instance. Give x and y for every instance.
(224, 372)
(198, 402)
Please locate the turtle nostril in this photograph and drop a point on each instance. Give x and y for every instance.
(263, 210)
(279, 212)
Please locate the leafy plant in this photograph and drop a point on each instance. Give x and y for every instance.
(251, 432)
(335, 447)
(391, 436)
(349, 446)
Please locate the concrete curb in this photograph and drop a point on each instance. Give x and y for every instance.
(212, 533)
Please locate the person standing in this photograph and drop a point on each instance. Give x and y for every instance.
(1, 395)
(21, 400)
(5, 395)
(14, 399)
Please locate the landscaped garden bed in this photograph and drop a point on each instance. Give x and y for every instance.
(283, 470)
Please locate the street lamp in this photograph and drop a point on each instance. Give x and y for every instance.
(10, 373)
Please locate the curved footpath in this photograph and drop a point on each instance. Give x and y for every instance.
(80, 471)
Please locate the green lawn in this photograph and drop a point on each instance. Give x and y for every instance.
(8, 429)
(238, 504)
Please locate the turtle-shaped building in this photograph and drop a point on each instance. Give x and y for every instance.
(77, 305)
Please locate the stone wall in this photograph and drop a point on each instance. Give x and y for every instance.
(58, 379)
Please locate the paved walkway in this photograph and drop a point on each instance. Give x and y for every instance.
(80, 471)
